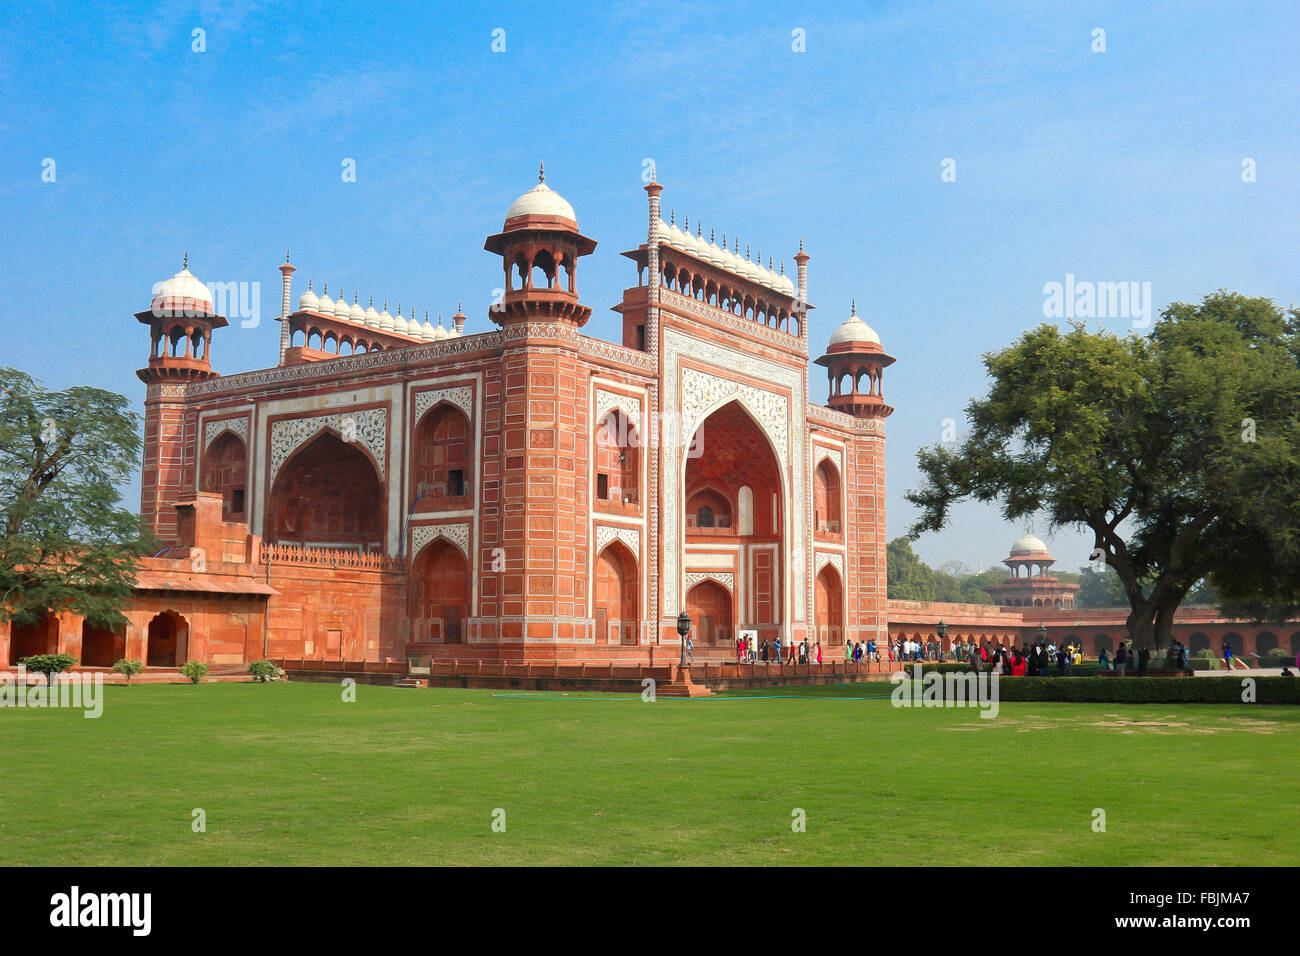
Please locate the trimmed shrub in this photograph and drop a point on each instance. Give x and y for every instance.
(194, 670)
(1143, 690)
(128, 669)
(265, 670)
(51, 665)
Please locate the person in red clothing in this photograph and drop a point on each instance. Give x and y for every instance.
(1018, 665)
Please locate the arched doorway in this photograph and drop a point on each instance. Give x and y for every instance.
(40, 636)
(731, 453)
(1198, 642)
(440, 593)
(101, 646)
(327, 496)
(225, 472)
(1265, 641)
(828, 605)
(616, 596)
(444, 458)
(168, 641)
(1099, 643)
(617, 471)
(826, 499)
(1234, 641)
(709, 605)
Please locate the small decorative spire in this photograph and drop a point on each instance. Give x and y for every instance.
(372, 298)
(769, 264)
(672, 217)
(712, 241)
(746, 249)
(439, 320)
(699, 232)
(854, 309)
(185, 263)
(724, 240)
(355, 294)
(458, 301)
(782, 267)
(541, 172)
(399, 309)
(426, 317)
(286, 257)
(308, 285)
(325, 289)
(385, 303)
(801, 243)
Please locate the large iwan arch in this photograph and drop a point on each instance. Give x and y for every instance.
(730, 452)
(328, 495)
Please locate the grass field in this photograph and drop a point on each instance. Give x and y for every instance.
(289, 774)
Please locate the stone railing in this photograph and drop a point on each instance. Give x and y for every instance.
(329, 558)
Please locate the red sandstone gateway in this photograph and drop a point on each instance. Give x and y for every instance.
(395, 488)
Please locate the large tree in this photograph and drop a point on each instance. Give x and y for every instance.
(1180, 451)
(66, 545)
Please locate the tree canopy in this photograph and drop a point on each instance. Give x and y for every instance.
(66, 542)
(1179, 450)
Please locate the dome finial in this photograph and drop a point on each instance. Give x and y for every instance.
(541, 172)
(801, 243)
(854, 309)
(185, 262)
(286, 257)
(458, 302)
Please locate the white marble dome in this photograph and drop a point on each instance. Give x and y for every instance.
(1028, 545)
(356, 313)
(341, 310)
(854, 329)
(541, 200)
(325, 304)
(307, 301)
(183, 285)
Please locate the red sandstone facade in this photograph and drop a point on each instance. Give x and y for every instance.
(394, 490)
(527, 492)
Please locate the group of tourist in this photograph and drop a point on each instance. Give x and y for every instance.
(1031, 660)
(751, 652)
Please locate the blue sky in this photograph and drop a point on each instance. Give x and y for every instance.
(1117, 166)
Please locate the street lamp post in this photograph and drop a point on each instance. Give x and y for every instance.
(683, 628)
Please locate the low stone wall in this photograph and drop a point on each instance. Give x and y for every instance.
(618, 678)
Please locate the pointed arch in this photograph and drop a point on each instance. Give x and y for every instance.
(328, 493)
(616, 591)
(167, 640)
(440, 593)
(712, 609)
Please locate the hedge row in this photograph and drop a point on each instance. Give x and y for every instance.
(1140, 690)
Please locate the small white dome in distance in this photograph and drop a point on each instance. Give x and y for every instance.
(371, 317)
(356, 313)
(439, 332)
(385, 320)
(399, 323)
(307, 301)
(325, 305)
(1028, 545)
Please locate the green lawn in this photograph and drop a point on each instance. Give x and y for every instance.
(289, 774)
